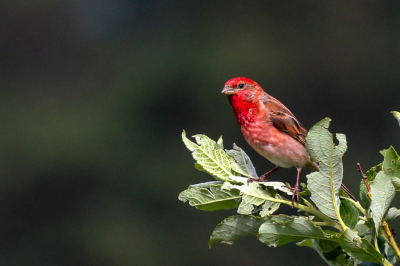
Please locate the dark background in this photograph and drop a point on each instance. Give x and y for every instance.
(94, 96)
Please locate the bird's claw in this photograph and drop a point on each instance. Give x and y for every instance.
(260, 179)
(295, 196)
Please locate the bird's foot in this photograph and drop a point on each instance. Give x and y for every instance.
(263, 178)
(295, 196)
(260, 179)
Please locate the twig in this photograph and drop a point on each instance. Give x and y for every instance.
(385, 225)
(356, 204)
(308, 209)
(364, 178)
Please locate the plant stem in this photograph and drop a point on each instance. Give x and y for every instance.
(376, 244)
(392, 242)
(357, 205)
(337, 210)
(387, 263)
(321, 223)
(317, 213)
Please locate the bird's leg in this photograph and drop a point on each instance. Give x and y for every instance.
(264, 176)
(296, 188)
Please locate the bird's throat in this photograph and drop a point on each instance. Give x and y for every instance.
(245, 111)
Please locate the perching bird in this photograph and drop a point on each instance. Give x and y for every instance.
(270, 128)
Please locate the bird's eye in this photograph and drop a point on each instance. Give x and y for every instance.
(241, 85)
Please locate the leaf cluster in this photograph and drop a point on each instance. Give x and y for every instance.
(342, 231)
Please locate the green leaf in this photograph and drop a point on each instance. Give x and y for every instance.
(243, 164)
(344, 194)
(212, 199)
(392, 160)
(334, 256)
(269, 207)
(325, 184)
(396, 115)
(358, 248)
(305, 243)
(220, 143)
(226, 186)
(386, 251)
(390, 254)
(327, 246)
(189, 144)
(396, 183)
(210, 156)
(363, 230)
(238, 179)
(382, 194)
(282, 229)
(381, 246)
(371, 235)
(253, 195)
(392, 214)
(278, 186)
(371, 173)
(235, 227)
(273, 184)
(365, 200)
(349, 213)
(206, 184)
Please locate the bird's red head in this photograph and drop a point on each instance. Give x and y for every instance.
(239, 80)
(239, 83)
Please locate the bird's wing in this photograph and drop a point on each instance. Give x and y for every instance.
(283, 119)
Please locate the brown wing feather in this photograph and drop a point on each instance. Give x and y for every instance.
(283, 119)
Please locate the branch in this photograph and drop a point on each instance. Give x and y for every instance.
(317, 213)
(365, 179)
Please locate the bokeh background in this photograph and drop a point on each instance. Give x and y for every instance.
(95, 94)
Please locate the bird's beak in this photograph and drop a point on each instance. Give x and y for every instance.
(228, 90)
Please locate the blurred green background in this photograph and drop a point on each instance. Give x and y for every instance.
(95, 94)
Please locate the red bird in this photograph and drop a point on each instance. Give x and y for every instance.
(269, 128)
